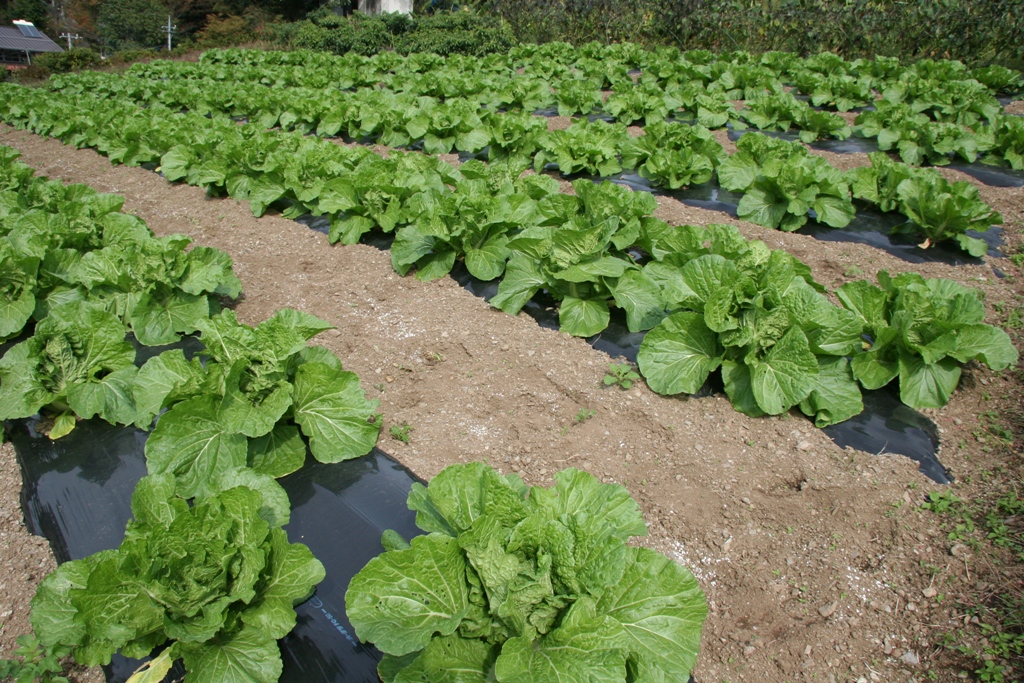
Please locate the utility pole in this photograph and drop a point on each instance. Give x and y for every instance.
(169, 30)
(70, 38)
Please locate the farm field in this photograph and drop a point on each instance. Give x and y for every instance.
(817, 562)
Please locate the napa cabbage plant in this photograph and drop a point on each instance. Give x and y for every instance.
(528, 93)
(999, 79)
(739, 171)
(605, 74)
(577, 254)
(640, 103)
(842, 91)
(246, 406)
(709, 109)
(449, 124)
(941, 211)
(755, 313)
(521, 584)
(918, 140)
(474, 223)
(921, 331)
(69, 243)
(1007, 143)
(782, 183)
(13, 173)
(215, 582)
(774, 111)
(18, 280)
(377, 193)
(514, 136)
(962, 101)
(879, 183)
(827, 64)
(936, 209)
(576, 96)
(742, 80)
(77, 362)
(584, 147)
(781, 63)
(817, 125)
(674, 154)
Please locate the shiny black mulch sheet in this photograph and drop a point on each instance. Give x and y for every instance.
(77, 493)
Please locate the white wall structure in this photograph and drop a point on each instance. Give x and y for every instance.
(378, 6)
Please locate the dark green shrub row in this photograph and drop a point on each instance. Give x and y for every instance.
(69, 60)
(76, 59)
(444, 33)
(978, 32)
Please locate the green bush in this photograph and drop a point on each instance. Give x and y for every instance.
(224, 31)
(448, 33)
(309, 36)
(31, 74)
(444, 33)
(280, 33)
(131, 56)
(74, 59)
(396, 22)
(328, 15)
(977, 32)
(580, 21)
(361, 34)
(254, 26)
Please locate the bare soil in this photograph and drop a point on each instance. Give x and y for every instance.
(816, 561)
(1016, 107)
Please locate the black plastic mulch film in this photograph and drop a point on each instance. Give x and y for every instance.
(869, 226)
(77, 493)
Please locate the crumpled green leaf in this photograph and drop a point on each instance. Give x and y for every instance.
(519, 583)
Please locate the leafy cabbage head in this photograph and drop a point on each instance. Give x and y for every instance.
(510, 579)
(215, 578)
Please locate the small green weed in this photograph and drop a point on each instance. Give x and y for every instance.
(1003, 523)
(940, 501)
(622, 374)
(585, 414)
(990, 672)
(991, 421)
(401, 432)
(36, 663)
(1015, 319)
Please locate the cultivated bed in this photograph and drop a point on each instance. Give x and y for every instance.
(817, 562)
(813, 559)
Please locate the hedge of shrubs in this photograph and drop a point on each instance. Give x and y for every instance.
(444, 33)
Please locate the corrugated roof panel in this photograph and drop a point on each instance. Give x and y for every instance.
(12, 39)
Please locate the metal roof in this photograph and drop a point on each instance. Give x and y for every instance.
(12, 39)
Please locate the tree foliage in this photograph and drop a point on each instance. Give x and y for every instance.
(36, 11)
(131, 23)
